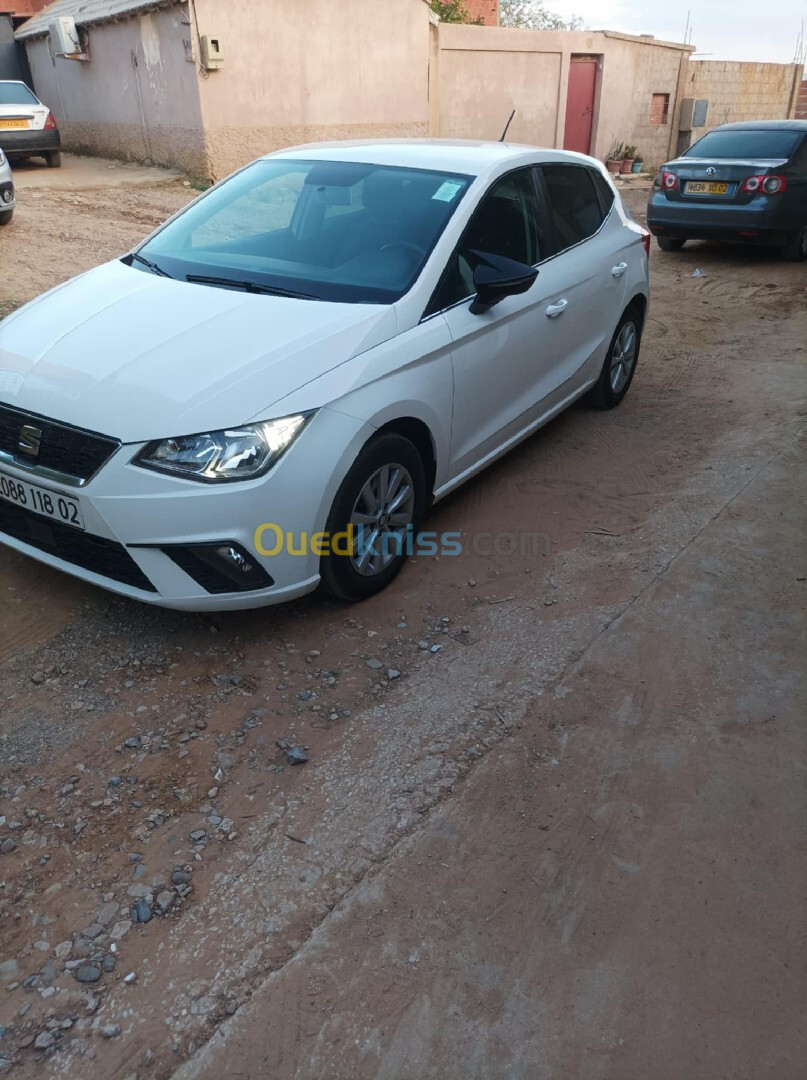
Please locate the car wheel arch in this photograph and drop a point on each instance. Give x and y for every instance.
(640, 303)
(421, 437)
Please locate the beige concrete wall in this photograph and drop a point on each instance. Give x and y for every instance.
(486, 72)
(135, 99)
(296, 71)
(304, 70)
(742, 91)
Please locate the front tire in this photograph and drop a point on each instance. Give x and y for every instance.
(54, 159)
(5, 217)
(795, 250)
(668, 243)
(620, 362)
(383, 499)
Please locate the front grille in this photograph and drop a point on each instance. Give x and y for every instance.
(62, 449)
(104, 557)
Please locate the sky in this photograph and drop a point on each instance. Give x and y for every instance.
(722, 29)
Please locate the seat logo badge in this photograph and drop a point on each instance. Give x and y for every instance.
(711, 171)
(30, 440)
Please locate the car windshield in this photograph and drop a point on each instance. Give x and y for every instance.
(324, 230)
(746, 144)
(16, 93)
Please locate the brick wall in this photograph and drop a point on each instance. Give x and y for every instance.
(801, 104)
(23, 8)
(486, 10)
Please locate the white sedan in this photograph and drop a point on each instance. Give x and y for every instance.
(268, 394)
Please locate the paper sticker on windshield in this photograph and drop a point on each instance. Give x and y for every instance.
(447, 191)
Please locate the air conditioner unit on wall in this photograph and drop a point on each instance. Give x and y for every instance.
(65, 39)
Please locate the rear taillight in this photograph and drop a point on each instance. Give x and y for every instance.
(669, 181)
(646, 241)
(770, 185)
(50, 123)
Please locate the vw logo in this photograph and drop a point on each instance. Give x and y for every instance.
(711, 171)
(30, 440)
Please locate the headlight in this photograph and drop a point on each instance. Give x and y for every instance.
(2, 158)
(221, 456)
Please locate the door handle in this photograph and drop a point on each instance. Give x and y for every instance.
(556, 309)
(619, 269)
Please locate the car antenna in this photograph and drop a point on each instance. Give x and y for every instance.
(507, 126)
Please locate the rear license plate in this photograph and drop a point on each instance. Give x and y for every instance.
(7, 125)
(39, 500)
(705, 187)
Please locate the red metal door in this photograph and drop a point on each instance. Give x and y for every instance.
(580, 104)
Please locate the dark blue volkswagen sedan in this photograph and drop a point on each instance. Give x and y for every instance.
(744, 182)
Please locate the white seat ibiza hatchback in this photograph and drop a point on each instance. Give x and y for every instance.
(270, 392)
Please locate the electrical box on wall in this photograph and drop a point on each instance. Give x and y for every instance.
(64, 37)
(212, 53)
(693, 113)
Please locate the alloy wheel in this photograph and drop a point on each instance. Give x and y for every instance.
(623, 357)
(381, 516)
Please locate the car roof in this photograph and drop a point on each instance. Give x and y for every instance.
(443, 155)
(765, 125)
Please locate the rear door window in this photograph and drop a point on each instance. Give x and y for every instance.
(746, 144)
(574, 205)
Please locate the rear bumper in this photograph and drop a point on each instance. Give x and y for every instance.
(29, 142)
(759, 221)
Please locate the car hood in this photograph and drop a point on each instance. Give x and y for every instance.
(137, 356)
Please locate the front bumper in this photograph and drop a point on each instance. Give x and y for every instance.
(761, 220)
(32, 141)
(131, 514)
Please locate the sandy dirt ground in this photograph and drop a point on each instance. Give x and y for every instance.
(551, 824)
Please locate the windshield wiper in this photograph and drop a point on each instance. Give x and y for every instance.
(248, 286)
(155, 269)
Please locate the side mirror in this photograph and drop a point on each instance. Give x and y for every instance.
(496, 277)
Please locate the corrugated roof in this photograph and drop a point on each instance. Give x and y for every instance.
(86, 12)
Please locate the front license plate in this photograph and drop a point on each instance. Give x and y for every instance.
(42, 501)
(704, 187)
(7, 125)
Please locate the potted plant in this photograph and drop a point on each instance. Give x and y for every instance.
(628, 159)
(613, 162)
(638, 164)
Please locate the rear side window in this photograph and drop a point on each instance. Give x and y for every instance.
(750, 144)
(574, 205)
(13, 93)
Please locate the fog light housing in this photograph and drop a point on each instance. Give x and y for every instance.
(220, 567)
(7, 196)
